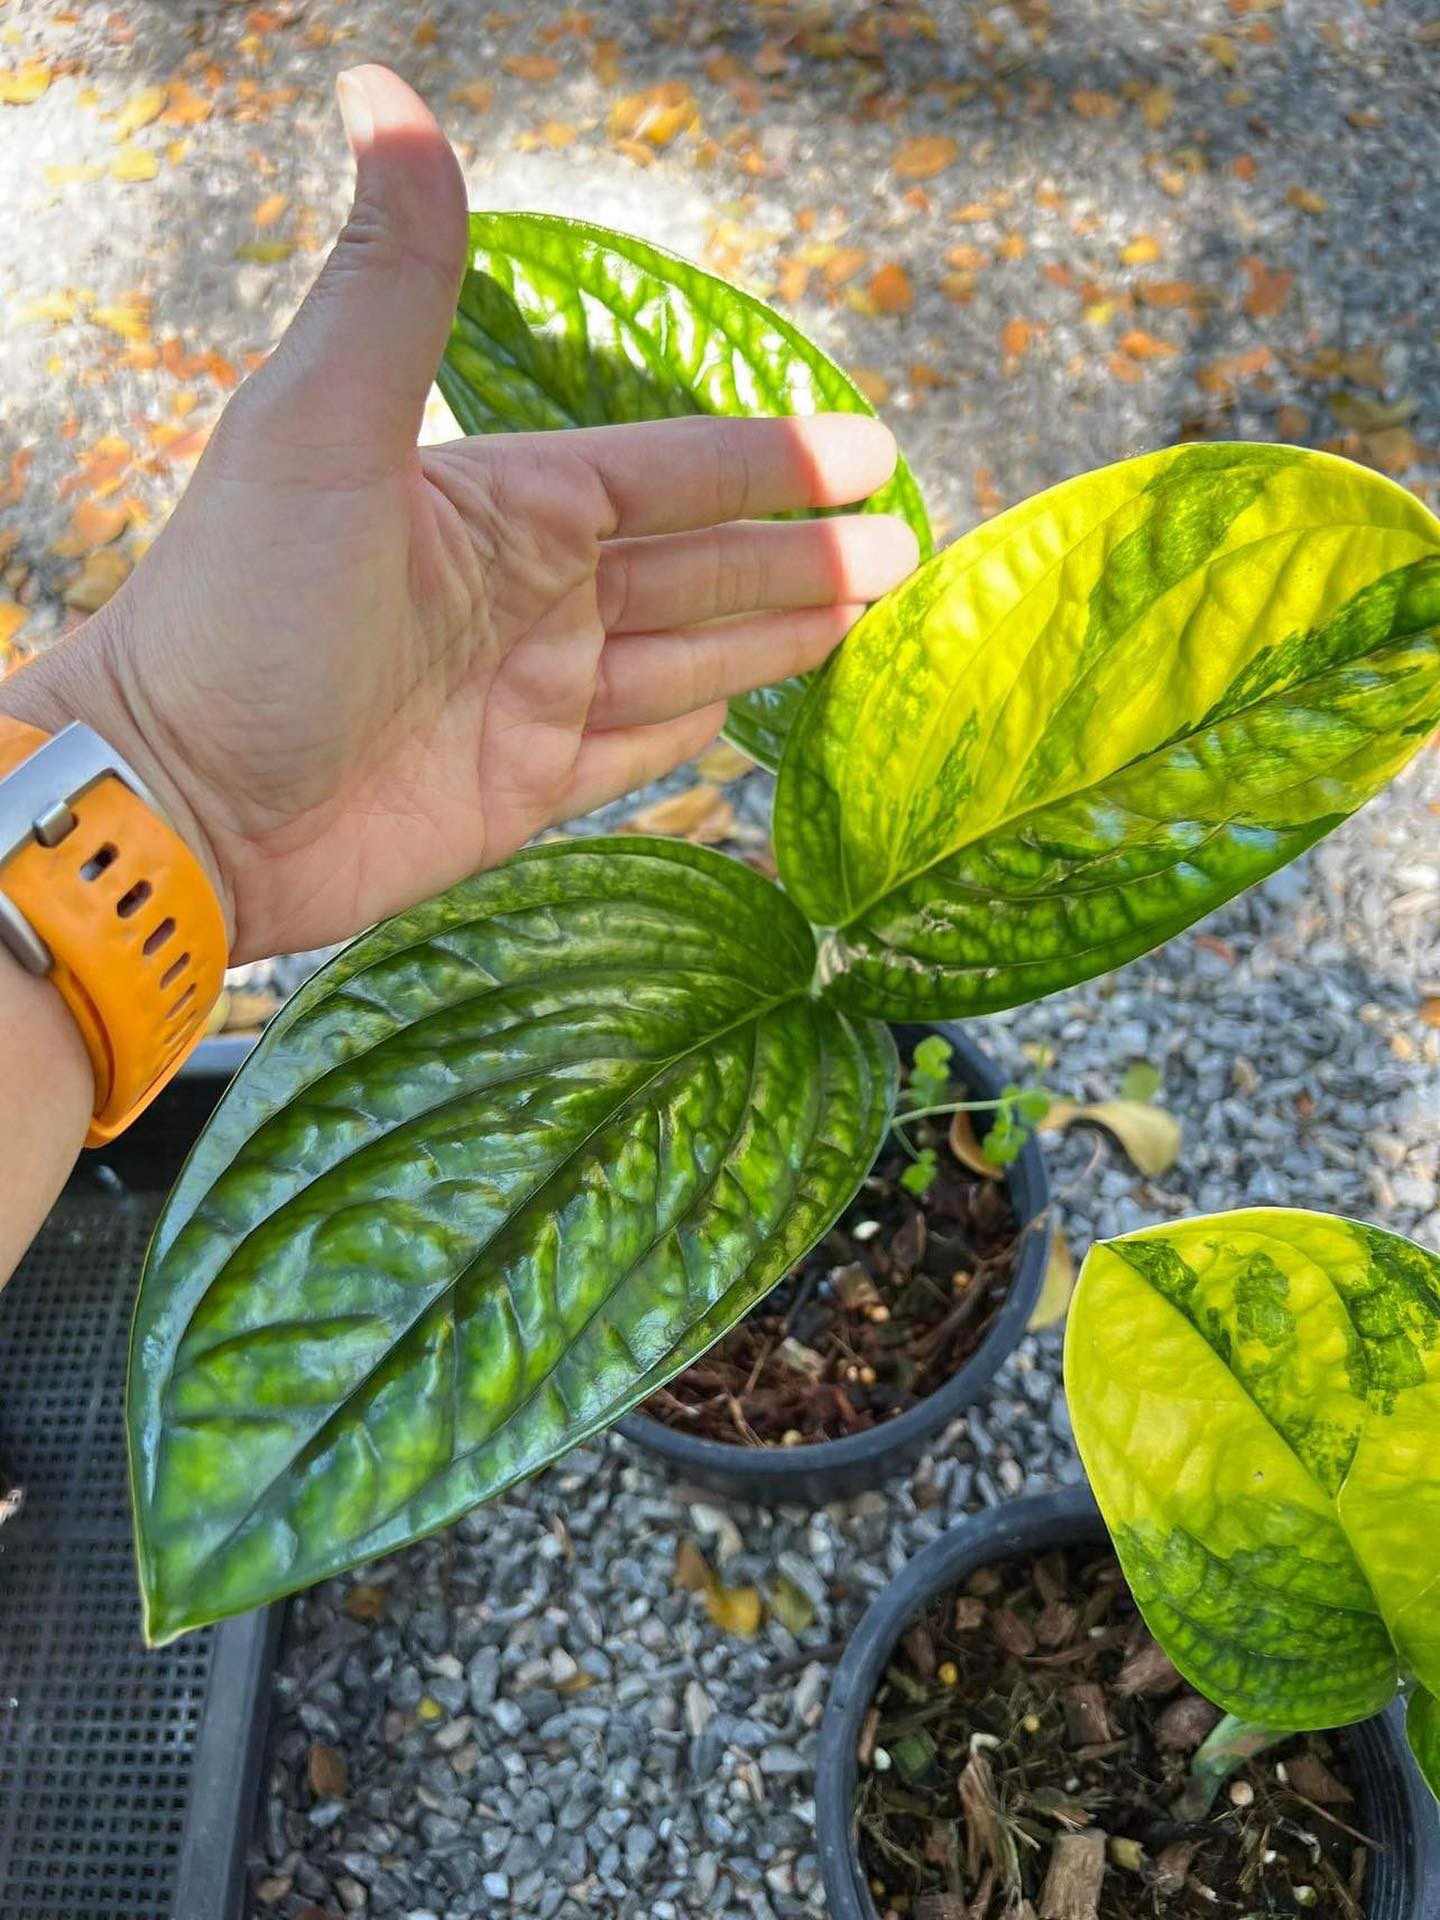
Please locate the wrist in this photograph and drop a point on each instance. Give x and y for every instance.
(85, 678)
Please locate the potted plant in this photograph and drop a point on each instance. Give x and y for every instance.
(514, 1159)
(893, 1323)
(1024, 1715)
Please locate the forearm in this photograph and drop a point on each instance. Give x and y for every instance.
(47, 1091)
(47, 1085)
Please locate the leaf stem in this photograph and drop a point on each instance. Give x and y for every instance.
(954, 1106)
(1224, 1749)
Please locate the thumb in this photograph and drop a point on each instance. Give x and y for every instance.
(355, 365)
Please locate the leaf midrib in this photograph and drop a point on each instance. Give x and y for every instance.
(752, 1018)
(1333, 1499)
(1017, 822)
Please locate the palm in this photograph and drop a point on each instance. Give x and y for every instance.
(357, 672)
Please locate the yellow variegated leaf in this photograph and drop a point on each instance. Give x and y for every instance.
(1256, 1398)
(1098, 716)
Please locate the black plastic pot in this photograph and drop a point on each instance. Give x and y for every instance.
(833, 1469)
(1393, 1805)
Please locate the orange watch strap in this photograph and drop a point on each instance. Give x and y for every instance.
(135, 934)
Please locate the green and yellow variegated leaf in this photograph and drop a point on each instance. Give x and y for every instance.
(1256, 1398)
(495, 1174)
(1422, 1730)
(566, 324)
(1100, 715)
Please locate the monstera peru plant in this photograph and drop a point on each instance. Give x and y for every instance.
(515, 1158)
(1256, 1398)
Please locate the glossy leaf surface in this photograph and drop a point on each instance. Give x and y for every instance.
(565, 324)
(1422, 1730)
(492, 1176)
(1100, 715)
(1256, 1398)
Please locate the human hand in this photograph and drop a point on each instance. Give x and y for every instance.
(354, 671)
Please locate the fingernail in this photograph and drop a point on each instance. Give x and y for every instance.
(355, 114)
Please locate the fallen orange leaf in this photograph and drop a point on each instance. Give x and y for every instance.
(1223, 376)
(792, 278)
(1430, 1010)
(138, 111)
(474, 94)
(535, 67)
(12, 619)
(701, 814)
(57, 308)
(134, 164)
(1141, 252)
(925, 156)
(129, 317)
(270, 209)
(1155, 106)
(73, 176)
(658, 115)
(959, 288)
(92, 524)
(967, 259)
(1305, 201)
(102, 469)
(889, 287)
(1012, 247)
(1093, 105)
(184, 106)
(1144, 346)
(101, 576)
(1174, 293)
(1017, 337)
(1221, 50)
(12, 490)
(874, 386)
(843, 264)
(23, 85)
(1394, 450)
(1269, 290)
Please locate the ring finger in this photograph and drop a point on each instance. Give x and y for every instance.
(681, 579)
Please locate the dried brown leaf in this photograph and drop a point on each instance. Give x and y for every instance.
(701, 814)
(890, 288)
(927, 155)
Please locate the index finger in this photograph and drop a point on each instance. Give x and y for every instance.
(670, 476)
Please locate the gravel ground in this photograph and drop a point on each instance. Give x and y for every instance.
(531, 1720)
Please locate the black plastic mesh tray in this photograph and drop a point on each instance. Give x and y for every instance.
(127, 1777)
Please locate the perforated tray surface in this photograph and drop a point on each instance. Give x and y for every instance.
(127, 1777)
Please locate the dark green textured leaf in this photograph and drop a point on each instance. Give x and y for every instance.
(565, 324)
(1102, 714)
(1422, 1730)
(497, 1172)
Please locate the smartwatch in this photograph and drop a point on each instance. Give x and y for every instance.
(100, 894)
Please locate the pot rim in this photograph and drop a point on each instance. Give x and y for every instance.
(1403, 1882)
(1028, 1189)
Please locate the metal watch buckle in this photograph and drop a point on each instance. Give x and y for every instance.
(37, 799)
